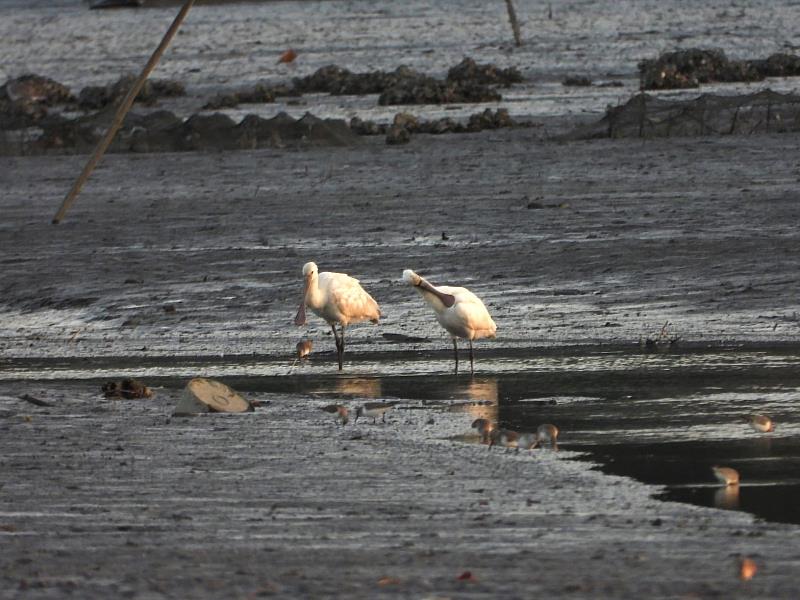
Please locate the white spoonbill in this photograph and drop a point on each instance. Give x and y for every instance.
(457, 309)
(336, 298)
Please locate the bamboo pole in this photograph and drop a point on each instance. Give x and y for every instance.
(512, 16)
(123, 109)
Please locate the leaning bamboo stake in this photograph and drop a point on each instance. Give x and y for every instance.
(512, 16)
(123, 109)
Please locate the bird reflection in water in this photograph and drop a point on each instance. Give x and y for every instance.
(727, 497)
(361, 387)
(481, 404)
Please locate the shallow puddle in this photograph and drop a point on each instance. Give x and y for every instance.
(663, 419)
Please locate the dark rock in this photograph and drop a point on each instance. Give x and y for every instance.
(779, 65)
(116, 4)
(35, 89)
(362, 127)
(259, 94)
(97, 97)
(426, 90)
(127, 388)
(406, 121)
(576, 81)
(468, 71)
(689, 68)
(24, 100)
(489, 119)
(209, 132)
(397, 135)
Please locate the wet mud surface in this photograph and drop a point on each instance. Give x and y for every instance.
(172, 266)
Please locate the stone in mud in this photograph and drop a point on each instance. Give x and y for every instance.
(689, 68)
(282, 130)
(576, 81)
(426, 90)
(35, 89)
(489, 119)
(338, 81)
(406, 121)
(127, 389)
(361, 127)
(468, 71)
(778, 65)
(24, 100)
(209, 132)
(258, 94)
(397, 135)
(327, 132)
(97, 97)
(440, 126)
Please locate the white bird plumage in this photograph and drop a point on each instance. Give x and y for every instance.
(459, 311)
(335, 298)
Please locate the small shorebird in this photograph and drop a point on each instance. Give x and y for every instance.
(484, 428)
(526, 441)
(726, 475)
(302, 350)
(503, 437)
(544, 433)
(458, 310)
(340, 413)
(761, 423)
(335, 298)
(747, 568)
(374, 410)
(547, 433)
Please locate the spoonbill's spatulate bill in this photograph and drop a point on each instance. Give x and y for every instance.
(458, 310)
(335, 298)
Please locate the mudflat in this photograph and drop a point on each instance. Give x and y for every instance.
(176, 265)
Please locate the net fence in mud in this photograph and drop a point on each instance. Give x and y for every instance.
(646, 116)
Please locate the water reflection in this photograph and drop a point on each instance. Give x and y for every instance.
(727, 497)
(484, 390)
(361, 387)
(482, 399)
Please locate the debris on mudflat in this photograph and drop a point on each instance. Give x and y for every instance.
(116, 4)
(397, 135)
(24, 100)
(662, 342)
(576, 81)
(258, 94)
(405, 124)
(127, 388)
(203, 395)
(470, 71)
(95, 97)
(35, 401)
(466, 82)
(646, 116)
(691, 67)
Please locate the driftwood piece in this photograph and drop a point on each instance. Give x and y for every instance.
(203, 395)
(36, 401)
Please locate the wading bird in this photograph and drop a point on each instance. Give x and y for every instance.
(726, 475)
(503, 437)
(760, 423)
(341, 414)
(374, 410)
(484, 428)
(335, 298)
(302, 350)
(458, 310)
